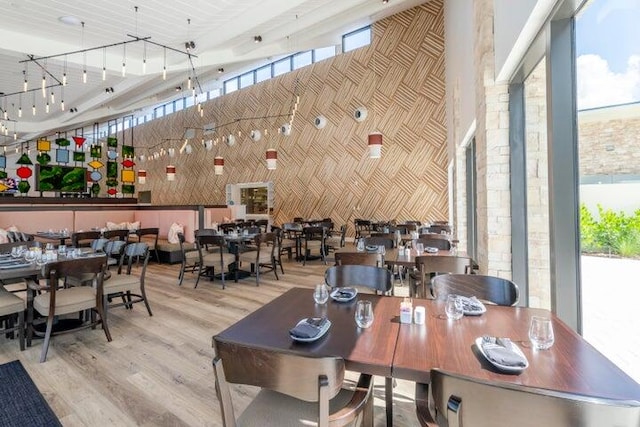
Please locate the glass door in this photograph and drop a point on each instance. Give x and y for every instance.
(608, 83)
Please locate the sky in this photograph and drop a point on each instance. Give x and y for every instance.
(608, 49)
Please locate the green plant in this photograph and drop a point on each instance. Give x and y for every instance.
(613, 233)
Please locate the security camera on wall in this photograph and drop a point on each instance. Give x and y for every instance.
(320, 122)
(285, 129)
(360, 114)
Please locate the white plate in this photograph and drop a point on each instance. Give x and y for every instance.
(323, 331)
(510, 369)
(474, 313)
(335, 294)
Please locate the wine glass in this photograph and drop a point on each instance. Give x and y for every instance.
(360, 245)
(320, 294)
(364, 314)
(541, 333)
(454, 307)
(30, 256)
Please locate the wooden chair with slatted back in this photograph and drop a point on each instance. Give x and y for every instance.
(457, 400)
(264, 256)
(386, 240)
(213, 257)
(59, 301)
(295, 389)
(190, 258)
(490, 289)
(122, 235)
(150, 237)
(428, 266)
(314, 239)
(378, 279)
(358, 258)
(83, 239)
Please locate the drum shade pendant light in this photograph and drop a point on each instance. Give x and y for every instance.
(218, 165)
(171, 173)
(375, 145)
(272, 158)
(142, 176)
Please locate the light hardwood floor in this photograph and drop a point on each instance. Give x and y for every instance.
(157, 370)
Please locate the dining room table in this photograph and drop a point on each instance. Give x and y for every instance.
(59, 237)
(410, 351)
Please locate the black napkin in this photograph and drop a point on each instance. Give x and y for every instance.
(500, 351)
(309, 328)
(472, 305)
(344, 293)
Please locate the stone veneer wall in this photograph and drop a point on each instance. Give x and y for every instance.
(492, 151)
(327, 172)
(609, 138)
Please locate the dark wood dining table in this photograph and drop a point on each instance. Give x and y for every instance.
(410, 351)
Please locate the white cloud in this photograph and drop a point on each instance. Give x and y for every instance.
(598, 86)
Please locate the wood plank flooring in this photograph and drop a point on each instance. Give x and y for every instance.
(157, 370)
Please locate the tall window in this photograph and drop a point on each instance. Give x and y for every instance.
(356, 39)
(608, 83)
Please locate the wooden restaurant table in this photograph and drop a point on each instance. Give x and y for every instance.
(55, 236)
(409, 351)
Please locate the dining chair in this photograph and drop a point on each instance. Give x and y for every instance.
(294, 389)
(97, 245)
(212, 257)
(490, 289)
(363, 228)
(150, 237)
(386, 240)
(19, 236)
(457, 400)
(314, 238)
(262, 224)
(291, 238)
(122, 235)
(264, 256)
(57, 301)
(12, 315)
(129, 287)
(378, 279)
(428, 266)
(190, 258)
(113, 249)
(358, 258)
(83, 239)
(443, 244)
(440, 228)
(336, 238)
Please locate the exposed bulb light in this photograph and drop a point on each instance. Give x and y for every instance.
(33, 109)
(257, 39)
(124, 69)
(62, 105)
(189, 83)
(64, 79)
(164, 73)
(46, 108)
(144, 66)
(84, 76)
(19, 111)
(25, 85)
(53, 98)
(220, 70)
(104, 74)
(44, 87)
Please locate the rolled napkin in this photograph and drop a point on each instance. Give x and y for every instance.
(371, 248)
(309, 328)
(431, 250)
(472, 306)
(344, 293)
(501, 351)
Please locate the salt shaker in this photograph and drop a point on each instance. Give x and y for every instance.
(406, 311)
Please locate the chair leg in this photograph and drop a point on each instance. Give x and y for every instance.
(257, 267)
(222, 276)
(274, 267)
(47, 337)
(181, 274)
(198, 278)
(21, 329)
(101, 312)
(146, 301)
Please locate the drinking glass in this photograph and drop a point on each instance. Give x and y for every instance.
(320, 294)
(41, 259)
(541, 333)
(382, 250)
(360, 245)
(419, 248)
(30, 256)
(364, 314)
(454, 308)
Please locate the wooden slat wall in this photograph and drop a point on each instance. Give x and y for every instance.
(399, 78)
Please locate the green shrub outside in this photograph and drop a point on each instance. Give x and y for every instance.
(614, 233)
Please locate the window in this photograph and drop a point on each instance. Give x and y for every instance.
(281, 67)
(356, 39)
(302, 59)
(168, 108)
(214, 93)
(158, 112)
(246, 79)
(189, 101)
(178, 104)
(263, 73)
(324, 53)
(231, 85)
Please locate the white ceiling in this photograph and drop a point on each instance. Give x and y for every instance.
(223, 32)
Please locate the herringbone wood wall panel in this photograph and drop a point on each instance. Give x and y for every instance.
(399, 78)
